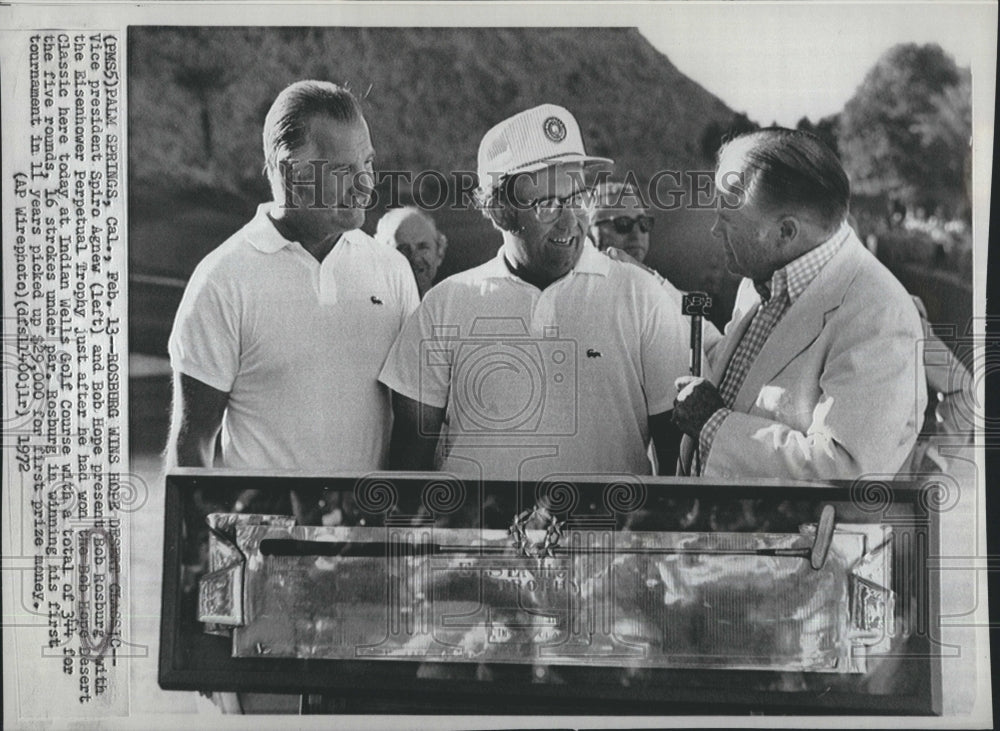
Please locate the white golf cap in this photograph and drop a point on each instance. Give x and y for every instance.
(531, 140)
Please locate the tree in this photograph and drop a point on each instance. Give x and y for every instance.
(906, 132)
(825, 129)
(202, 82)
(716, 133)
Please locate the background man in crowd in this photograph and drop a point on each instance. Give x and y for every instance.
(413, 234)
(550, 358)
(621, 220)
(819, 374)
(283, 328)
(621, 227)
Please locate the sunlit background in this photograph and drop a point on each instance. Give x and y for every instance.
(802, 60)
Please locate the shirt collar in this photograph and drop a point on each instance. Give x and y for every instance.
(796, 275)
(591, 262)
(261, 233)
(263, 236)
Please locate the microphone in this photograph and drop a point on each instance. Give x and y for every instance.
(697, 305)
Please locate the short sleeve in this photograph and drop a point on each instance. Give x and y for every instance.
(665, 350)
(675, 295)
(419, 363)
(205, 340)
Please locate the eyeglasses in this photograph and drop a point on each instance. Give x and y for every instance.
(625, 224)
(548, 209)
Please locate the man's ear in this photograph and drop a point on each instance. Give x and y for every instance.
(278, 177)
(503, 217)
(789, 229)
(442, 247)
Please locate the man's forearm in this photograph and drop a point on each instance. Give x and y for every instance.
(755, 446)
(415, 431)
(187, 450)
(195, 423)
(414, 453)
(666, 442)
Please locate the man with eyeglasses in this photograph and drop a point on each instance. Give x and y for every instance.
(550, 358)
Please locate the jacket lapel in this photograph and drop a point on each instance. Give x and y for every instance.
(802, 323)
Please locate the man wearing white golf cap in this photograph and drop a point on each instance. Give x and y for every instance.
(551, 358)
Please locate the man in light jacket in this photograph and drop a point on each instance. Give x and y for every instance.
(819, 374)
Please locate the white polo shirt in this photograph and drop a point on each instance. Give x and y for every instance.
(298, 346)
(536, 382)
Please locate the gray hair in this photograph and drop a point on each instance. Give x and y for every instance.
(787, 166)
(385, 231)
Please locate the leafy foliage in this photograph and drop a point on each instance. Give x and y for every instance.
(715, 133)
(825, 129)
(906, 132)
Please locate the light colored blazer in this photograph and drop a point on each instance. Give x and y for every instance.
(837, 392)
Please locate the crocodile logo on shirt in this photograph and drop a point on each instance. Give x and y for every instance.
(376, 300)
(591, 353)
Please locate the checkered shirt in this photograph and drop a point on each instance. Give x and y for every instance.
(786, 285)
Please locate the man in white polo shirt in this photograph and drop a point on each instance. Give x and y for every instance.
(283, 329)
(551, 358)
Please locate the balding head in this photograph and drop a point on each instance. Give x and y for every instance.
(787, 169)
(782, 193)
(412, 232)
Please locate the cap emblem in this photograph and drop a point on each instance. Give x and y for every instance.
(554, 129)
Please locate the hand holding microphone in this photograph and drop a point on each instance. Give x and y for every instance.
(697, 399)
